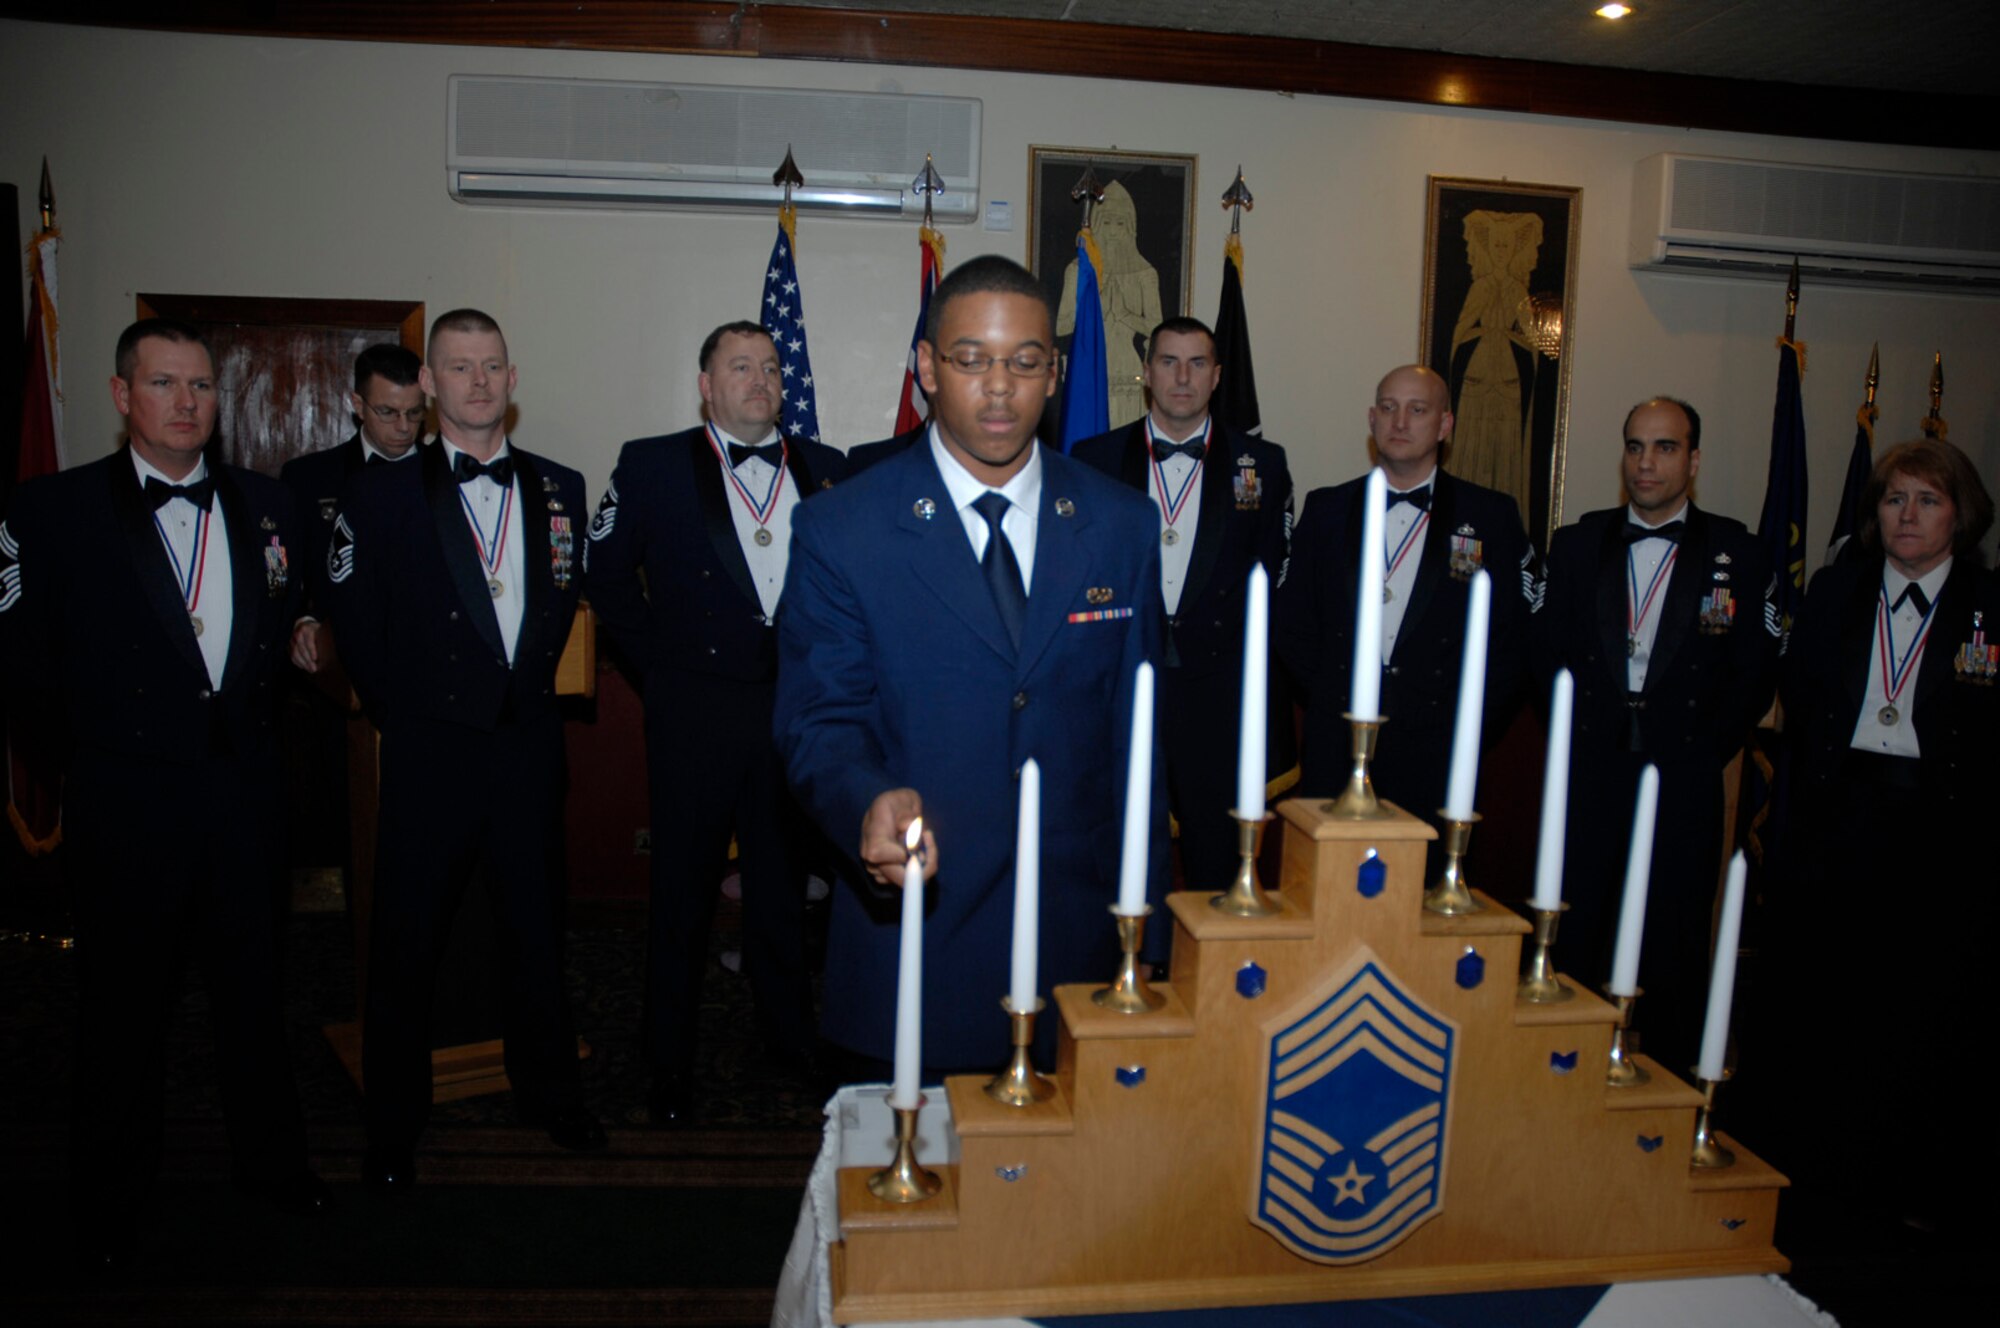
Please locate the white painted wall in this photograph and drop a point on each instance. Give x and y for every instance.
(242, 166)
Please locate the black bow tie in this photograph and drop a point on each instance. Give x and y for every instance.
(1914, 593)
(1166, 451)
(1671, 532)
(465, 469)
(159, 493)
(770, 453)
(1417, 498)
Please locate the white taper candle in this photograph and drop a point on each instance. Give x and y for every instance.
(1555, 795)
(1256, 681)
(1365, 687)
(910, 977)
(1027, 889)
(1136, 858)
(1464, 775)
(1638, 873)
(1722, 976)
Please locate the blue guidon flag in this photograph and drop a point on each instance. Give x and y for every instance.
(1357, 1097)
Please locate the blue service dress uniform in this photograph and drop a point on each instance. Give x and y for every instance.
(895, 670)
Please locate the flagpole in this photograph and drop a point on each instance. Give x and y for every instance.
(1086, 394)
(1235, 402)
(912, 406)
(782, 313)
(1934, 424)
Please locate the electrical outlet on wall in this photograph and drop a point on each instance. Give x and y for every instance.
(642, 841)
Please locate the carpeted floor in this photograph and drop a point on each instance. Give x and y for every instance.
(685, 1227)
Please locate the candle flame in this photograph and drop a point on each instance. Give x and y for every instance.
(914, 835)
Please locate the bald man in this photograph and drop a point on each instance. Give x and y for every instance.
(1439, 531)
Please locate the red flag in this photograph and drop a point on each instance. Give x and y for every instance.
(34, 788)
(912, 408)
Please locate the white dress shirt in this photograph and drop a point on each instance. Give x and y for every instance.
(1024, 498)
(1398, 524)
(1182, 475)
(1905, 627)
(757, 476)
(1644, 560)
(206, 569)
(484, 502)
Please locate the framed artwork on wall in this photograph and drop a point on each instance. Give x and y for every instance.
(1499, 317)
(1145, 233)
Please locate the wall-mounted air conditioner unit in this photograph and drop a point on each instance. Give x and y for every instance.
(592, 143)
(1866, 228)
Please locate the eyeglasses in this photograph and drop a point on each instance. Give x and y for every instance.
(1021, 364)
(389, 414)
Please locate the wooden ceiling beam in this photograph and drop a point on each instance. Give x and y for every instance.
(1090, 50)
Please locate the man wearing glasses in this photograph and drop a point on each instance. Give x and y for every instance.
(968, 603)
(389, 417)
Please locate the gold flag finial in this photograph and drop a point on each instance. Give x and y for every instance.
(1874, 373)
(1792, 301)
(1237, 198)
(1088, 191)
(927, 184)
(48, 198)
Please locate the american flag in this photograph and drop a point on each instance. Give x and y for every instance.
(913, 407)
(784, 317)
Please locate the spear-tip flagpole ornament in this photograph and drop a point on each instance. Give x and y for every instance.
(48, 198)
(787, 176)
(1934, 424)
(927, 185)
(1089, 192)
(1238, 199)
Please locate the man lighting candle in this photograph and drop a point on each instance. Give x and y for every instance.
(1437, 532)
(959, 607)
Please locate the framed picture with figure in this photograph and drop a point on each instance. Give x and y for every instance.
(1145, 234)
(1499, 306)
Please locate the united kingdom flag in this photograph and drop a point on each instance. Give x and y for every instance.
(784, 317)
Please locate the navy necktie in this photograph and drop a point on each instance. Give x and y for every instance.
(1003, 570)
(159, 493)
(465, 468)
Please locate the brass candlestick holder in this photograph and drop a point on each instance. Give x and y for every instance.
(1539, 985)
(903, 1181)
(1449, 896)
(1708, 1154)
(1624, 1071)
(1357, 802)
(1128, 993)
(1245, 898)
(1018, 1085)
